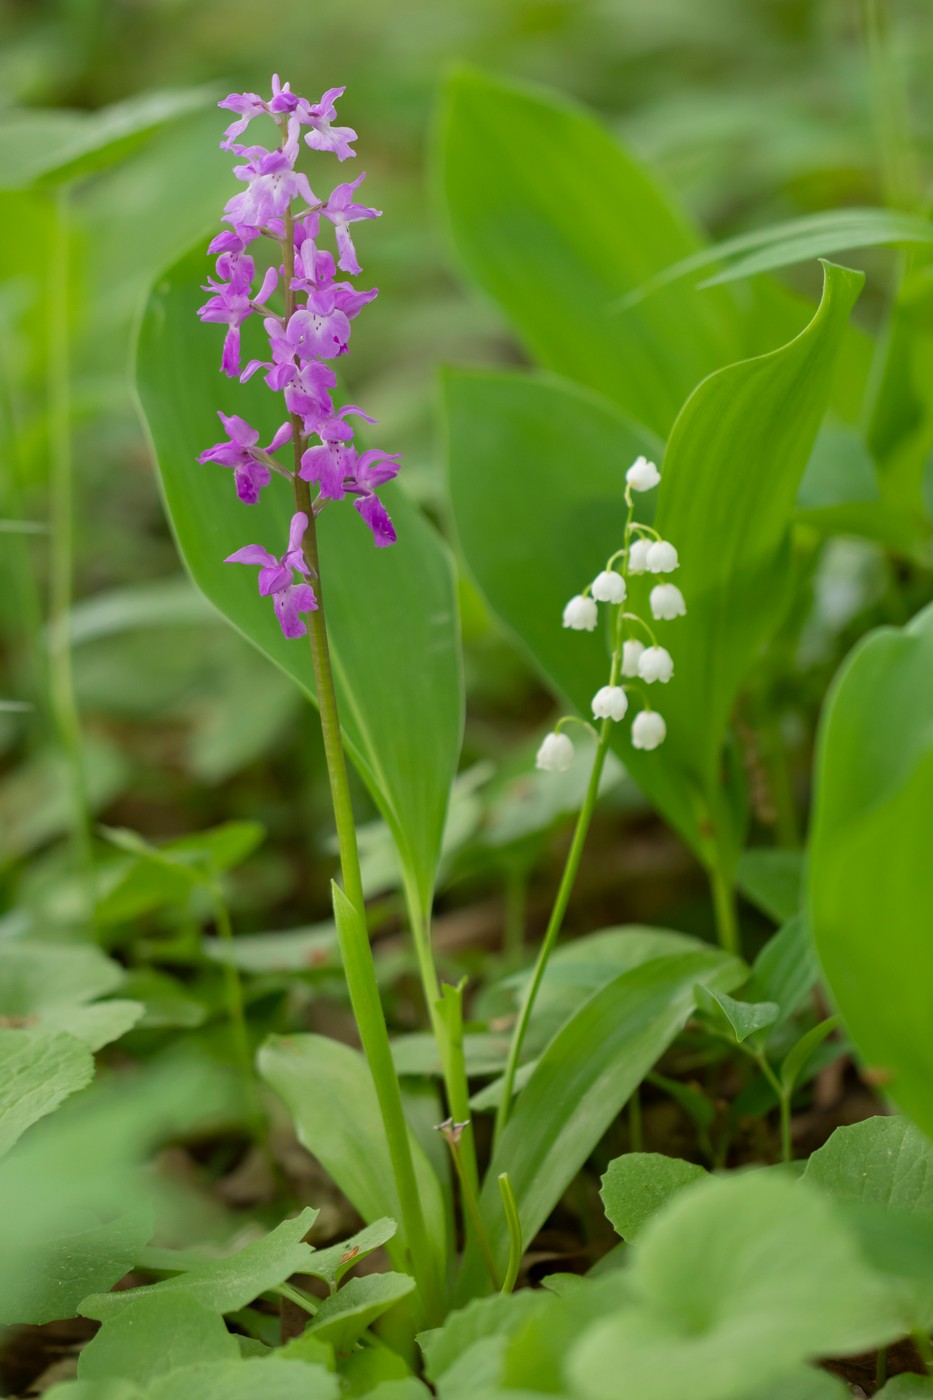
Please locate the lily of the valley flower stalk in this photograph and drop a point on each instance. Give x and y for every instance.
(633, 666)
(305, 335)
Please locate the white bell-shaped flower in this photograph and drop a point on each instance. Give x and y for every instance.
(581, 614)
(648, 730)
(610, 702)
(661, 558)
(655, 664)
(667, 602)
(631, 655)
(638, 556)
(608, 587)
(642, 475)
(555, 754)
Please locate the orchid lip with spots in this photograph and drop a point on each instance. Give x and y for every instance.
(304, 338)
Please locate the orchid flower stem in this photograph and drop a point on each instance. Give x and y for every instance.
(513, 1221)
(555, 923)
(360, 970)
(61, 549)
(234, 992)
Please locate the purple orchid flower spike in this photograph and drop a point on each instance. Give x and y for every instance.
(311, 331)
(251, 465)
(342, 212)
(323, 136)
(276, 577)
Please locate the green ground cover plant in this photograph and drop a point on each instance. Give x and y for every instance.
(486, 952)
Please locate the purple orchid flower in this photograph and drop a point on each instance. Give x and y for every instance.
(272, 182)
(276, 577)
(333, 460)
(323, 136)
(342, 212)
(249, 462)
(232, 304)
(375, 468)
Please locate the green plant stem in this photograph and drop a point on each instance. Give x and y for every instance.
(513, 933)
(881, 1367)
(727, 924)
(635, 1128)
(899, 169)
(774, 755)
(514, 1224)
(295, 1295)
(783, 1098)
(234, 990)
(360, 968)
(555, 923)
(61, 547)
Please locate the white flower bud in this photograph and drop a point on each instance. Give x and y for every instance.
(661, 558)
(631, 655)
(580, 614)
(610, 702)
(642, 475)
(638, 556)
(655, 664)
(648, 730)
(608, 587)
(666, 601)
(555, 754)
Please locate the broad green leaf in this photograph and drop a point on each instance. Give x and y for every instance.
(38, 1069)
(771, 879)
(793, 241)
(886, 1160)
(51, 146)
(155, 877)
(154, 1334)
(271, 1378)
(637, 1185)
(540, 196)
(96, 1025)
(66, 1267)
(392, 613)
(42, 976)
(328, 1090)
(738, 1277)
(580, 1084)
(870, 873)
(736, 1020)
(785, 970)
(95, 1390)
(729, 481)
(228, 1283)
(804, 1383)
(343, 1317)
(501, 1315)
(332, 1264)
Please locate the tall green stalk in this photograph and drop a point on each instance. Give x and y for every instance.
(61, 545)
(356, 951)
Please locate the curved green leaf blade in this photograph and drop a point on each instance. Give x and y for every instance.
(637, 1185)
(558, 204)
(343, 1317)
(52, 146)
(392, 612)
(328, 1089)
(792, 241)
(581, 1082)
(870, 872)
(731, 471)
(272, 1377)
